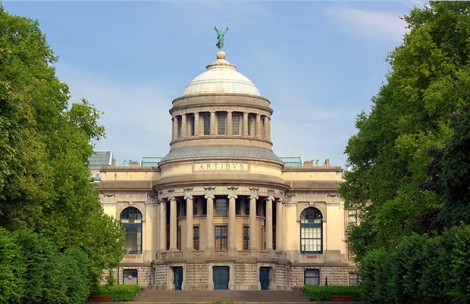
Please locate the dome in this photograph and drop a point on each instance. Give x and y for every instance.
(221, 77)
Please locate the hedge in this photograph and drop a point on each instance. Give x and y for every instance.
(33, 270)
(119, 292)
(419, 268)
(324, 293)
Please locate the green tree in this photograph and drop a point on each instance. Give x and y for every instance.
(45, 142)
(411, 115)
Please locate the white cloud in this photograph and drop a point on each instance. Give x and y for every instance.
(367, 23)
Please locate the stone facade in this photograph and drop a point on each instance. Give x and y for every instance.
(221, 210)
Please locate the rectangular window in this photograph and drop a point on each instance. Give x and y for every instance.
(196, 237)
(311, 240)
(247, 207)
(195, 208)
(206, 119)
(238, 208)
(179, 121)
(236, 119)
(352, 216)
(312, 277)
(246, 237)
(221, 238)
(353, 279)
(191, 125)
(133, 243)
(221, 123)
(221, 206)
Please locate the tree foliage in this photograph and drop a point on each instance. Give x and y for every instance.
(389, 158)
(45, 143)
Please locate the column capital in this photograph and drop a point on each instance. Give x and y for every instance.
(269, 198)
(232, 195)
(254, 196)
(188, 197)
(207, 196)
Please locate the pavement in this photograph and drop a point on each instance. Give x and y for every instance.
(150, 296)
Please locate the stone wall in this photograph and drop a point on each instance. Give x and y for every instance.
(160, 277)
(197, 277)
(246, 277)
(334, 275)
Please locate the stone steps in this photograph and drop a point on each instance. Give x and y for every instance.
(156, 296)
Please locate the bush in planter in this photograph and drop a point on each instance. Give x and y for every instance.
(324, 293)
(119, 292)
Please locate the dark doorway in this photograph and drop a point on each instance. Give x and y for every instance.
(221, 277)
(178, 277)
(264, 278)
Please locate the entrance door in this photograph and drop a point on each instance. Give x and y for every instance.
(221, 277)
(264, 278)
(178, 277)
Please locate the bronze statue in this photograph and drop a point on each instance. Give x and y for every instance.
(220, 37)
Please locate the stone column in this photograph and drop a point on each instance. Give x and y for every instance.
(279, 224)
(196, 124)
(231, 222)
(245, 124)
(189, 222)
(210, 221)
(213, 124)
(175, 127)
(184, 126)
(253, 230)
(266, 127)
(269, 223)
(173, 224)
(258, 125)
(163, 225)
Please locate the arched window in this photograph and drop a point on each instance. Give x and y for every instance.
(311, 232)
(131, 220)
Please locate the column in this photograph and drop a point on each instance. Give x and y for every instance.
(189, 222)
(258, 125)
(197, 127)
(210, 222)
(184, 126)
(245, 124)
(213, 124)
(266, 128)
(163, 225)
(279, 224)
(269, 223)
(173, 234)
(229, 123)
(231, 221)
(253, 229)
(175, 128)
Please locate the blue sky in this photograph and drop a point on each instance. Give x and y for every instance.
(319, 62)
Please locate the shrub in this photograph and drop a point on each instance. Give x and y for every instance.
(119, 292)
(11, 269)
(324, 293)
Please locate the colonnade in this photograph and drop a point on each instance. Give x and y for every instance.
(210, 235)
(229, 123)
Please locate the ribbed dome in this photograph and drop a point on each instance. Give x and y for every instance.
(221, 77)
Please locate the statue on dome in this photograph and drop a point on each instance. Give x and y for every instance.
(220, 37)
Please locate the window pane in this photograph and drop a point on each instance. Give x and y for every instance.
(236, 118)
(206, 117)
(221, 206)
(221, 119)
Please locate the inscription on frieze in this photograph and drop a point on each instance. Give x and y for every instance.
(221, 166)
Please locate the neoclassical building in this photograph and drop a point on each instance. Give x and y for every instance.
(221, 210)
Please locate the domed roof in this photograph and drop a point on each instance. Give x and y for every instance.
(221, 77)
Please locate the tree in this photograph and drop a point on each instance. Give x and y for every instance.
(411, 115)
(45, 143)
